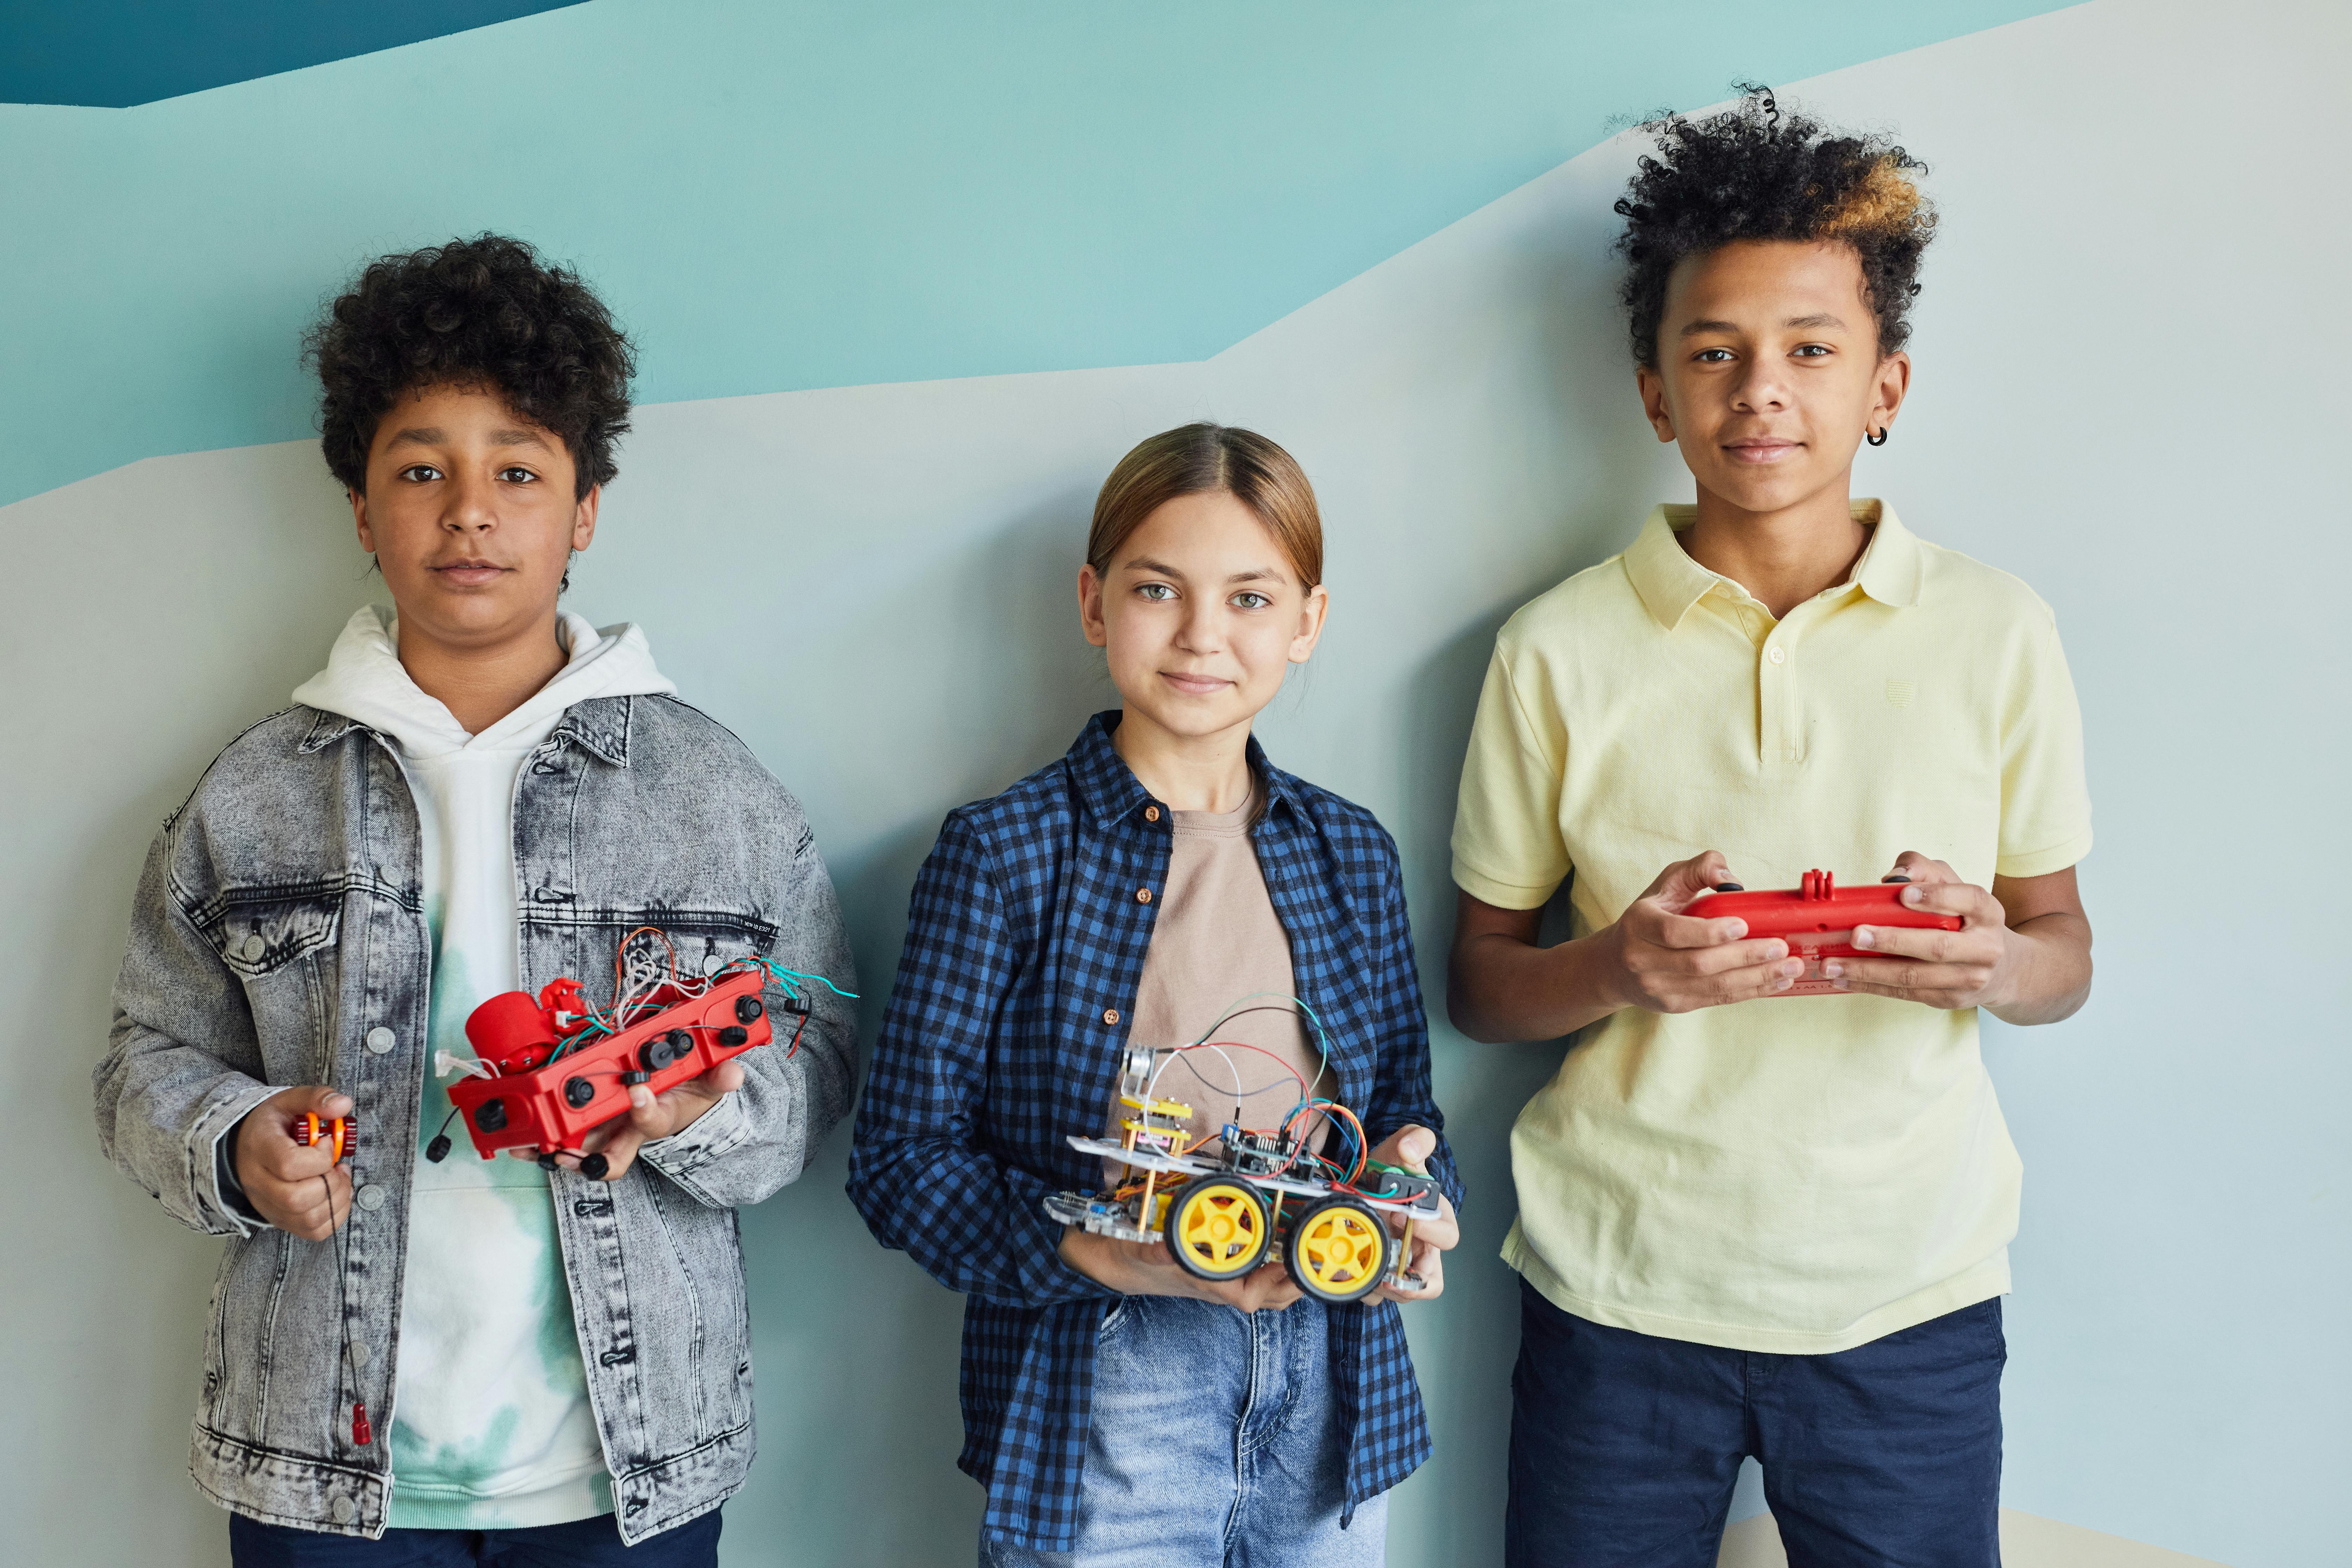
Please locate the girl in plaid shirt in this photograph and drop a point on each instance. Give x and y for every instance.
(1117, 1408)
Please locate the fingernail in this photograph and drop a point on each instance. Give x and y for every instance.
(1832, 968)
(1862, 936)
(1793, 968)
(1733, 929)
(1782, 985)
(1913, 895)
(1842, 986)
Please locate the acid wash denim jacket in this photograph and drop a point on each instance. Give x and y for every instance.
(279, 937)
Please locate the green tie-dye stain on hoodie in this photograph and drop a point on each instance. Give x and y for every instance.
(487, 1329)
(490, 1424)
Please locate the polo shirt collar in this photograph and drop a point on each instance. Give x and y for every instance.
(1669, 581)
(1110, 790)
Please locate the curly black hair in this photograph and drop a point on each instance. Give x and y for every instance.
(485, 311)
(1753, 173)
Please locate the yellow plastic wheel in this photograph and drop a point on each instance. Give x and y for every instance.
(1338, 1251)
(1219, 1228)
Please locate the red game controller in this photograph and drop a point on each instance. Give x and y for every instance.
(1817, 920)
(550, 1092)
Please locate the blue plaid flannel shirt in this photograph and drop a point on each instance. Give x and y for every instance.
(1024, 946)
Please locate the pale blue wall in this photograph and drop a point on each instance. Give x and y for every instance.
(871, 584)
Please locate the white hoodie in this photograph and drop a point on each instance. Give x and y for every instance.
(490, 1423)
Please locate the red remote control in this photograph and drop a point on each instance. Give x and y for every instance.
(1817, 920)
(550, 1092)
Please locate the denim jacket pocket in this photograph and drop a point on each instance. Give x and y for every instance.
(276, 941)
(258, 931)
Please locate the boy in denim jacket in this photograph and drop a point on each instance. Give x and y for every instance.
(479, 793)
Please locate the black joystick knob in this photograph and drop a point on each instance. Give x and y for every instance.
(734, 1034)
(593, 1166)
(1729, 888)
(747, 1008)
(1897, 877)
(490, 1116)
(578, 1092)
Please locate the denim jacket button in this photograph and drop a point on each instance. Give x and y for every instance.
(380, 1040)
(254, 948)
(344, 1510)
(372, 1197)
(359, 1355)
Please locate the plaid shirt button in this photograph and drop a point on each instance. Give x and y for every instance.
(1142, 895)
(1150, 814)
(1110, 1014)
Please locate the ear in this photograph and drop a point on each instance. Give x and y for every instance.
(1654, 401)
(1090, 607)
(1311, 624)
(359, 520)
(1894, 385)
(583, 518)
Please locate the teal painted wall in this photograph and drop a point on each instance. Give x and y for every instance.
(824, 193)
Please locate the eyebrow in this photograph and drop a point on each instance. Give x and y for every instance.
(1819, 319)
(433, 435)
(1161, 569)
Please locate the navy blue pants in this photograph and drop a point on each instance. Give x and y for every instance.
(582, 1543)
(1624, 1447)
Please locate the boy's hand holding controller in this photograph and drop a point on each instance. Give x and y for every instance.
(1976, 967)
(280, 1175)
(1662, 959)
(2022, 953)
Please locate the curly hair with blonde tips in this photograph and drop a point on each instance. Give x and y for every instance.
(1754, 171)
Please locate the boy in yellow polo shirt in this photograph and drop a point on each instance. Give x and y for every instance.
(1753, 1224)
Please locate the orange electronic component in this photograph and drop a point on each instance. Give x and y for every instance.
(312, 1128)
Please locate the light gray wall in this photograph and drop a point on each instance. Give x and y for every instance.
(2126, 355)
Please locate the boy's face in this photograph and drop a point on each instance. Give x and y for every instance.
(1768, 374)
(1200, 615)
(471, 516)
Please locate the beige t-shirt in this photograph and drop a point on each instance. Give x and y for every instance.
(1215, 940)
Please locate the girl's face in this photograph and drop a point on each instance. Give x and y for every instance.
(1200, 614)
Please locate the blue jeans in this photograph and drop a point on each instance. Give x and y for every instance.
(582, 1543)
(1624, 1447)
(1216, 1439)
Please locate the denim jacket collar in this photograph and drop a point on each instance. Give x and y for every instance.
(1110, 790)
(600, 725)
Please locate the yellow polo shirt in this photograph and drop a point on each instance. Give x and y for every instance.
(1796, 1174)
